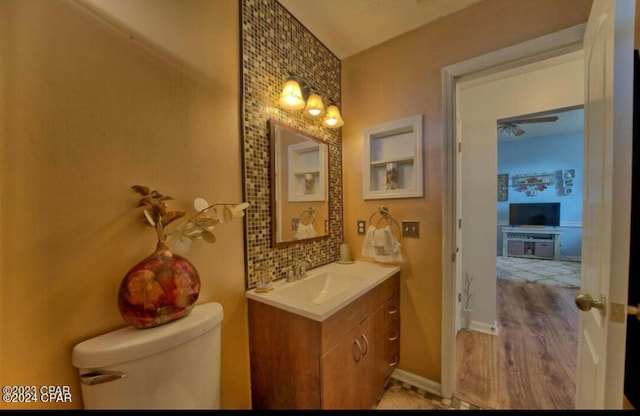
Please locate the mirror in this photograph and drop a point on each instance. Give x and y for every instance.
(299, 181)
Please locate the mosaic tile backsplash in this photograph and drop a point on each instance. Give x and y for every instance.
(275, 44)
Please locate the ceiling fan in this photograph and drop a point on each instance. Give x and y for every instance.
(512, 127)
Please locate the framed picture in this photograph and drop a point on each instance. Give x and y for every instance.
(568, 174)
(568, 183)
(503, 187)
(568, 191)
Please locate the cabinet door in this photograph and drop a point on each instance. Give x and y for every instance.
(348, 370)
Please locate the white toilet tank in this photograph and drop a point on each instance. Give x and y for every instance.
(171, 366)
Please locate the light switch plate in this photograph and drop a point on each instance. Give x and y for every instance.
(411, 229)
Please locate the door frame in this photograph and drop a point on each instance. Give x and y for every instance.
(555, 44)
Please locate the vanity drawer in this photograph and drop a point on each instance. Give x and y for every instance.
(392, 310)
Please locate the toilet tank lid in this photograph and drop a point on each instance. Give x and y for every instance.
(130, 343)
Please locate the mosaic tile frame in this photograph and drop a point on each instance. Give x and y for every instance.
(273, 44)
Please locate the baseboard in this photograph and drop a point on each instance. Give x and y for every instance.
(484, 327)
(417, 381)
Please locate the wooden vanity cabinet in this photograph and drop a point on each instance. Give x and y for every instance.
(342, 362)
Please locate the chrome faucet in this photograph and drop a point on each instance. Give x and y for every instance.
(299, 269)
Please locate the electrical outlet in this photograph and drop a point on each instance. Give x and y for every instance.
(294, 224)
(411, 229)
(361, 225)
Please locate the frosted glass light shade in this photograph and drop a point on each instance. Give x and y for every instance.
(315, 106)
(333, 119)
(291, 96)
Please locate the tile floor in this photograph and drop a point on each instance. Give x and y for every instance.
(403, 396)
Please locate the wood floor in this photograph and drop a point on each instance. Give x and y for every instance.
(531, 363)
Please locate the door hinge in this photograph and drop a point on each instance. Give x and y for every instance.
(460, 223)
(459, 147)
(618, 313)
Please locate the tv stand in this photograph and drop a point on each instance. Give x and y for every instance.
(531, 242)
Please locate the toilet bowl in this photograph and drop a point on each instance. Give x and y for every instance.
(171, 366)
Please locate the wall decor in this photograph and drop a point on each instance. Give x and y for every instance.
(532, 182)
(503, 187)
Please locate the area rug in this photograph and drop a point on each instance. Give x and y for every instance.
(556, 273)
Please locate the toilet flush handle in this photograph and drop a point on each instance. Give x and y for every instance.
(99, 377)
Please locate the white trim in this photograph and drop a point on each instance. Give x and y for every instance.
(545, 47)
(484, 327)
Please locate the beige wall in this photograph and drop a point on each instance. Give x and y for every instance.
(407, 81)
(88, 111)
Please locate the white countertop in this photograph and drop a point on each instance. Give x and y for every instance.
(368, 275)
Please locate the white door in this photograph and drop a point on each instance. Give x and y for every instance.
(608, 55)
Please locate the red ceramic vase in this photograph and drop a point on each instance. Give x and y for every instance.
(161, 288)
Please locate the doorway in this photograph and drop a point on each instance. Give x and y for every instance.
(478, 71)
(530, 360)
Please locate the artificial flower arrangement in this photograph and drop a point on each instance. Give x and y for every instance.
(165, 286)
(199, 226)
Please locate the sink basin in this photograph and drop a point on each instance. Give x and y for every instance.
(325, 289)
(321, 287)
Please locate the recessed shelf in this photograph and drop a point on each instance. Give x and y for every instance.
(306, 177)
(393, 159)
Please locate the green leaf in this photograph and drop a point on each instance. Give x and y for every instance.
(208, 237)
(206, 222)
(227, 214)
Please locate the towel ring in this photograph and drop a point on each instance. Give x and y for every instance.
(309, 214)
(383, 211)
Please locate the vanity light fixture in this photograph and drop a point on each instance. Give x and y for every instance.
(293, 98)
(333, 119)
(315, 106)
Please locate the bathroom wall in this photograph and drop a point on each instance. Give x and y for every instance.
(275, 44)
(92, 103)
(401, 78)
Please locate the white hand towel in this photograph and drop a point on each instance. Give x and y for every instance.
(367, 246)
(381, 245)
(304, 231)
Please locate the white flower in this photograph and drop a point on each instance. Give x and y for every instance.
(202, 224)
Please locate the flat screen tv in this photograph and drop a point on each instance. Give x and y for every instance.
(537, 214)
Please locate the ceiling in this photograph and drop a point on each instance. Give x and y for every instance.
(347, 27)
(569, 121)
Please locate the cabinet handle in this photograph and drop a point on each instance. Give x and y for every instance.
(359, 356)
(366, 344)
(395, 361)
(395, 336)
(393, 309)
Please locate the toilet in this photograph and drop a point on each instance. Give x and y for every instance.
(171, 366)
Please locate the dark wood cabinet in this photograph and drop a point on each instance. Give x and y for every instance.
(342, 362)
